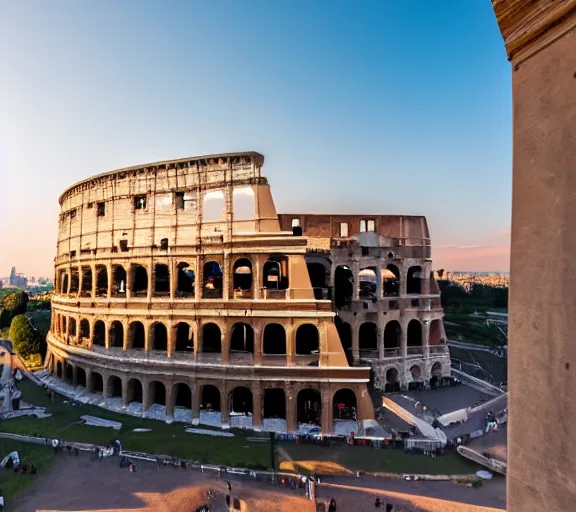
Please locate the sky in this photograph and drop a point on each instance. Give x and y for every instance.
(377, 107)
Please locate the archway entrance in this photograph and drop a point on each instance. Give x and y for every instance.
(241, 401)
(343, 286)
(210, 399)
(182, 395)
(344, 405)
(134, 391)
(274, 403)
(392, 385)
(309, 406)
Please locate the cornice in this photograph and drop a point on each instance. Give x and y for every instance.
(523, 23)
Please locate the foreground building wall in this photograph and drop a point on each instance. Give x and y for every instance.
(378, 272)
(540, 39)
(175, 285)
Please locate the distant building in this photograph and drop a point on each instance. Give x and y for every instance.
(19, 280)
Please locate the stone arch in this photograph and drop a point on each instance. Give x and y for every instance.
(99, 336)
(68, 372)
(114, 387)
(186, 281)
(158, 337)
(309, 406)
(102, 280)
(368, 283)
(392, 339)
(275, 273)
(120, 281)
(274, 403)
(414, 333)
(135, 391)
(80, 377)
(64, 282)
(242, 280)
(242, 338)
(184, 338)
(59, 371)
(210, 398)
(274, 339)
(138, 280)
(241, 400)
(116, 334)
(136, 336)
(86, 290)
(307, 339)
(391, 281)
(368, 336)
(161, 280)
(392, 380)
(157, 392)
(74, 280)
(211, 339)
(345, 334)
(97, 382)
(343, 286)
(414, 280)
(72, 326)
(436, 337)
(436, 374)
(345, 404)
(182, 395)
(416, 372)
(212, 286)
(319, 272)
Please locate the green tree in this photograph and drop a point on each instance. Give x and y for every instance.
(5, 318)
(5, 333)
(16, 303)
(25, 340)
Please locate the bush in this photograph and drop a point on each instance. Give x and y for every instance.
(25, 339)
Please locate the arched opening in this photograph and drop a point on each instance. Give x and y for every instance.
(274, 403)
(97, 382)
(274, 340)
(65, 325)
(114, 387)
(116, 334)
(344, 405)
(59, 369)
(307, 340)
(416, 372)
(368, 337)
(213, 206)
(343, 286)
(136, 336)
(414, 337)
(210, 400)
(243, 203)
(80, 377)
(319, 277)
(99, 337)
(275, 273)
(211, 339)
(161, 280)
(184, 338)
(65, 284)
(392, 339)
(182, 395)
(212, 285)
(242, 339)
(86, 290)
(157, 393)
(367, 283)
(414, 281)
(135, 393)
(84, 329)
(436, 375)
(241, 401)
(68, 372)
(243, 279)
(392, 385)
(345, 334)
(186, 280)
(158, 337)
(102, 280)
(74, 281)
(120, 281)
(72, 327)
(436, 337)
(139, 286)
(391, 281)
(309, 406)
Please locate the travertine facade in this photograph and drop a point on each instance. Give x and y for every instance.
(378, 271)
(175, 285)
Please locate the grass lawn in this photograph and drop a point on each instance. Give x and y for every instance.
(164, 439)
(385, 461)
(12, 483)
(40, 320)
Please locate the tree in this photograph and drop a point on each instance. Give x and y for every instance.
(25, 340)
(5, 318)
(16, 303)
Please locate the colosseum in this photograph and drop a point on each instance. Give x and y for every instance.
(180, 289)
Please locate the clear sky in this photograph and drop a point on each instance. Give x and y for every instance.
(358, 106)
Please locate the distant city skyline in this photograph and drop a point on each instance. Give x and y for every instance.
(377, 108)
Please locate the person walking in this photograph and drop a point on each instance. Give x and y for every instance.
(332, 505)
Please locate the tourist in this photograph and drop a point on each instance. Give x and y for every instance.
(332, 505)
(377, 503)
(229, 486)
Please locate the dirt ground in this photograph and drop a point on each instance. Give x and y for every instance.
(81, 484)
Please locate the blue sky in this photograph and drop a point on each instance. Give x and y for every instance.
(371, 106)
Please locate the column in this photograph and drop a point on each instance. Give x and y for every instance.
(326, 411)
(146, 396)
(291, 413)
(290, 344)
(80, 280)
(256, 278)
(426, 279)
(107, 335)
(129, 279)
(379, 281)
(151, 279)
(173, 277)
(126, 331)
(355, 339)
(380, 332)
(225, 405)
(227, 277)
(171, 339)
(110, 280)
(199, 276)
(356, 274)
(225, 343)
(94, 290)
(147, 336)
(91, 340)
(198, 342)
(196, 388)
(426, 338)
(404, 343)
(541, 41)
(125, 391)
(257, 344)
(257, 406)
(170, 398)
(89, 386)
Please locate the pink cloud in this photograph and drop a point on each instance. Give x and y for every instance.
(475, 258)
